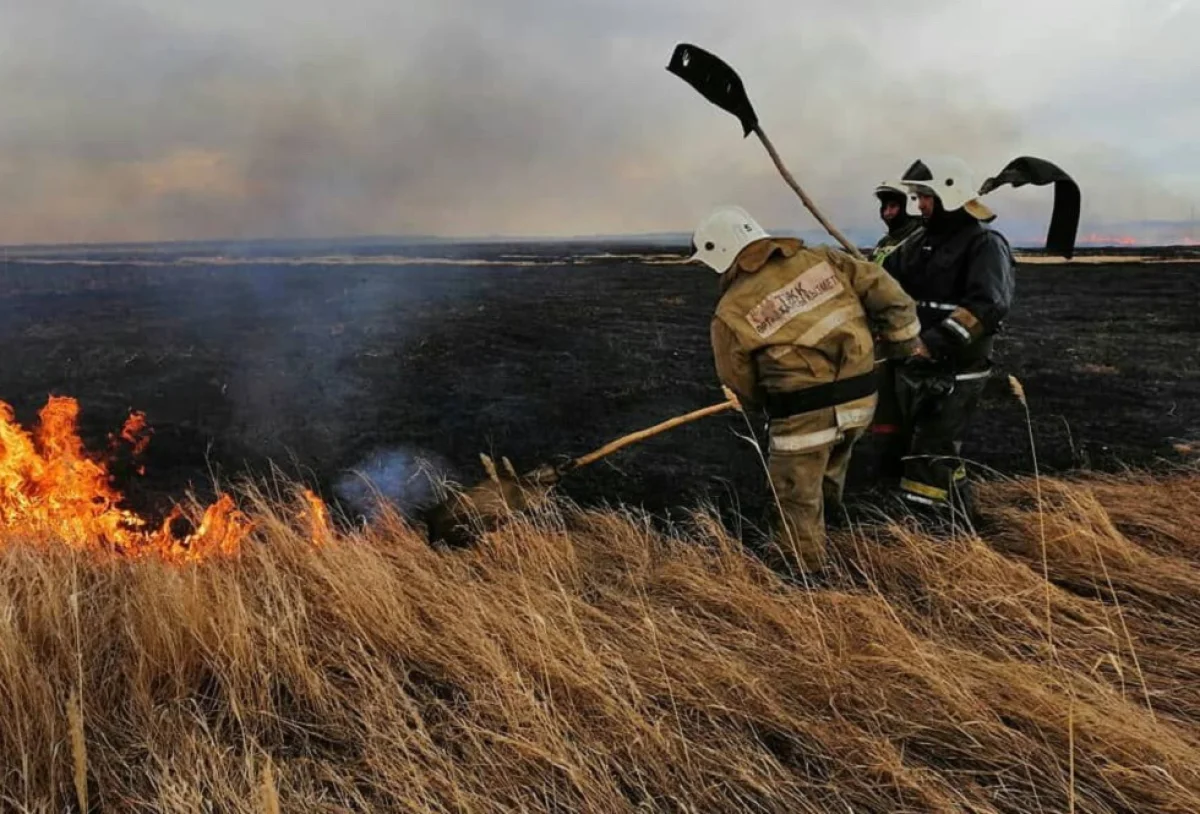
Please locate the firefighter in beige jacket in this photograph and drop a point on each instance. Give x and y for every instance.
(792, 336)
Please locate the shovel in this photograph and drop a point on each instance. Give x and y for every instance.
(717, 82)
(482, 507)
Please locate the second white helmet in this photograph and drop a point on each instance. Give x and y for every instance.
(722, 235)
(898, 188)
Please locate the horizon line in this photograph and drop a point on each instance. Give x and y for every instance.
(524, 238)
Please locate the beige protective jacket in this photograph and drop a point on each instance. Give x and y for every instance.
(792, 316)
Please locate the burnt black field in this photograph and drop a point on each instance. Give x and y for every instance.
(313, 365)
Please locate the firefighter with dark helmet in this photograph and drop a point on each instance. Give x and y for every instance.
(897, 210)
(961, 273)
(899, 213)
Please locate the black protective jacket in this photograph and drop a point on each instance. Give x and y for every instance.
(961, 273)
(889, 242)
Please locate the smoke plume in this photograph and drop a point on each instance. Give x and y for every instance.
(166, 120)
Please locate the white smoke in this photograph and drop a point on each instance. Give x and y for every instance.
(405, 478)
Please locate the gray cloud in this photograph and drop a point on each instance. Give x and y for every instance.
(164, 120)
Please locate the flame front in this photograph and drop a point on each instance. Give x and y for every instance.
(1097, 239)
(53, 491)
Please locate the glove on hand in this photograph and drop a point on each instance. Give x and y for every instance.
(937, 342)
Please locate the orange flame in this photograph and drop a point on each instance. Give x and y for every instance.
(318, 516)
(52, 490)
(136, 433)
(1109, 240)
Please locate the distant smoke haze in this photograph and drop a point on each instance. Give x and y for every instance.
(130, 121)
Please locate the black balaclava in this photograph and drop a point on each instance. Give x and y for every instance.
(943, 222)
(902, 217)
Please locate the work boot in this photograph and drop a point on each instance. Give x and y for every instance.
(948, 519)
(891, 466)
(835, 514)
(962, 497)
(793, 569)
(889, 504)
(895, 507)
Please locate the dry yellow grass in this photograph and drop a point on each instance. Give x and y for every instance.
(579, 661)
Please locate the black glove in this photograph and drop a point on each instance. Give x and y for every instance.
(938, 341)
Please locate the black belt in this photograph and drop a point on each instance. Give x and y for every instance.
(784, 405)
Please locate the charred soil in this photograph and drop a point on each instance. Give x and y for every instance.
(533, 352)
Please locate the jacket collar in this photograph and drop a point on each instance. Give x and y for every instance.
(758, 254)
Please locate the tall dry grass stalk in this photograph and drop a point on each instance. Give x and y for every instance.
(1018, 391)
(581, 661)
(270, 795)
(78, 749)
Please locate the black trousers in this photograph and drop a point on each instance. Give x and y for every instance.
(888, 435)
(935, 408)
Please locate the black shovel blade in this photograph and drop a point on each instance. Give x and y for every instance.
(1064, 222)
(716, 82)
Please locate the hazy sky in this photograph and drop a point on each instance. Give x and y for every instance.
(176, 119)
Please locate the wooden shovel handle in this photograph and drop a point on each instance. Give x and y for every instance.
(807, 201)
(641, 435)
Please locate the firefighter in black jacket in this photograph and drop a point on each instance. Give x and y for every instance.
(961, 273)
(904, 224)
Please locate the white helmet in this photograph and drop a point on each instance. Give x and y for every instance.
(722, 235)
(950, 180)
(910, 200)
